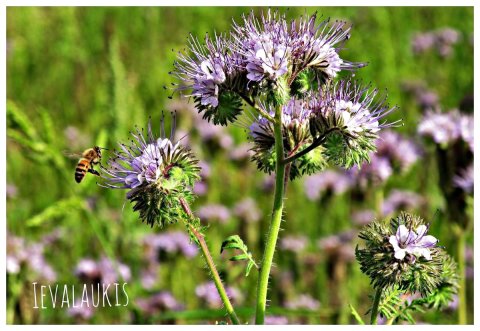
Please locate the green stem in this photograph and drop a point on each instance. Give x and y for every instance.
(462, 290)
(376, 302)
(211, 265)
(275, 222)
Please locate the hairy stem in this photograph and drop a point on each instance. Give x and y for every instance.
(376, 302)
(276, 219)
(211, 265)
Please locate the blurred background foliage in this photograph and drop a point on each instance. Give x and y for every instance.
(83, 76)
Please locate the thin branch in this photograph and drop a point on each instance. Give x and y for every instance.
(317, 142)
(211, 265)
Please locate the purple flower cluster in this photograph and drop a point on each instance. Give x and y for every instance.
(295, 244)
(464, 180)
(401, 200)
(303, 301)
(325, 183)
(393, 152)
(157, 172)
(158, 302)
(338, 246)
(445, 128)
(215, 212)
(102, 271)
(22, 254)
(207, 292)
(442, 40)
(254, 56)
(247, 210)
(172, 242)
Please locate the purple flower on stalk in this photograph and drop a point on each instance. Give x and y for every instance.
(171, 242)
(397, 149)
(157, 172)
(350, 108)
(415, 243)
(317, 46)
(443, 128)
(264, 46)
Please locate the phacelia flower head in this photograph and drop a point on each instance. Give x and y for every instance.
(257, 58)
(156, 171)
(347, 117)
(316, 46)
(295, 116)
(399, 253)
(211, 73)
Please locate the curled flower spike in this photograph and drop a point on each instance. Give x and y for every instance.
(347, 117)
(399, 253)
(317, 47)
(211, 73)
(296, 134)
(156, 171)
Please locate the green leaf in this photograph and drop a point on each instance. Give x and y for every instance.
(235, 242)
(356, 315)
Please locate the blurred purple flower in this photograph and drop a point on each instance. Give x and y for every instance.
(161, 301)
(376, 172)
(276, 320)
(363, 217)
(171, 242)
(200, 188)
(326, 182)
(303, 301)
(401, 200)
(22, 254)
(148, 276)
(338, 246)
(11, 191)
(242, 152)
(208, 293)
(247, 210)
(293, 244)
(464, 180)
(397, 149)
(466, 130)
(422, 42)
(268, 183)
(102, 271)
(215, 212)
(81, 311)
(443, 128)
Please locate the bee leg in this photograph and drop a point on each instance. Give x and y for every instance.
(93, 171)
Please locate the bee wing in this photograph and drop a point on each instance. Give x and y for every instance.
(72, 155)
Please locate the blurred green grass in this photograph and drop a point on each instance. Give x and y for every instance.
(104, 69)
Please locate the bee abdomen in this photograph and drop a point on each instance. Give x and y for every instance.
(81, 170)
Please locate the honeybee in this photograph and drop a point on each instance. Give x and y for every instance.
(89, 158)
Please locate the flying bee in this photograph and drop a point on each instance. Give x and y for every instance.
(88, 159)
